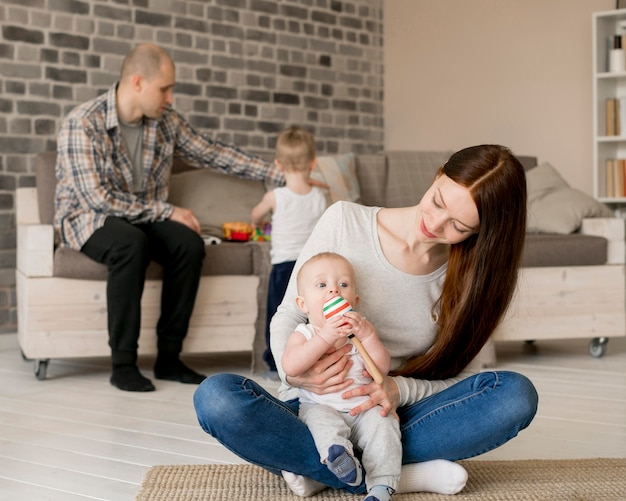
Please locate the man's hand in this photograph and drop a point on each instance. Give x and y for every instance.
(186, 217)
(319, 184)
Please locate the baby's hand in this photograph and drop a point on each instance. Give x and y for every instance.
(358, 325)
(333, 330)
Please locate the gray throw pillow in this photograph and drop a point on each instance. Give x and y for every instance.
(554, 206)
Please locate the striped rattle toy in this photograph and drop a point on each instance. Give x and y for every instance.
(337, 306)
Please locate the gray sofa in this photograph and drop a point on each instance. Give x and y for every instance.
(574, 261)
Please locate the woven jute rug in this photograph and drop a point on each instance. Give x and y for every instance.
(527, 480)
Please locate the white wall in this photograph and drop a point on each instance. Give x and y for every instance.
(513, 72)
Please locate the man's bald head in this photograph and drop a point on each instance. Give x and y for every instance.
(145, 60)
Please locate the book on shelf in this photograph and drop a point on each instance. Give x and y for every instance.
(615, 177)
(615, 116)
(610, 116)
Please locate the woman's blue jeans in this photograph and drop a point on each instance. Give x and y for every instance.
(474, 416)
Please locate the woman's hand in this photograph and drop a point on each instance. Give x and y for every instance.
(328, 375)
(386, 395)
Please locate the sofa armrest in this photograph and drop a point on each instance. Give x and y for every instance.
(262, 266)
(35, 241)
(614, 230)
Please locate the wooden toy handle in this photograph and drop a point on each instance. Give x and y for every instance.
(369, 363)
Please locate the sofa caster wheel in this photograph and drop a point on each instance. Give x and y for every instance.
(41, 368)
(597, 346)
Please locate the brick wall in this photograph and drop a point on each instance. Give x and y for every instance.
(245, 70)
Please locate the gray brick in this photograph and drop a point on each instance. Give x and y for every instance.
(113, 13)
(201, 106)
(271, 127)
(286, 98)
(67, 40)
(103, 45)
(17, 164)
(6, 201)
(323, 17)
(7, 276)
(28, 71)
(7, 51)
(191, 24)
(241, 140)
(152, 19)
(49, 56)
(105, 29)
(279, 24)
(264, 6)
(40, 89)
(71, 59)
(45, 127)
(351, 22)
(260, 36)
(183, 40)
(238, 4)
(204, 122)
(66, 75)
(239, 124)
(189, 57)
(7, 183)
(227, 62)
(188, 89)
(293, 11)
(9, 145)
(226, 30)
(316, 103)
(7, 260)
(261, 66)
(6, 105)
(12, 87)
(336, 5)
(259, 96)
(125, 31)
(20, 126)
(26, 181)
(293, 71)
(69, 6)
(221, 92)
(19, 34)
(91, 60)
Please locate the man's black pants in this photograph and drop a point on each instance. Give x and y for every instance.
(126, 249)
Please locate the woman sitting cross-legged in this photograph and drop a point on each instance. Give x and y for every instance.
(436, 279)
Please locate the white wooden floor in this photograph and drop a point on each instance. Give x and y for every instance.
(75, 437)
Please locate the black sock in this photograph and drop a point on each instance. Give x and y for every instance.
(173, 369)
(128, 378)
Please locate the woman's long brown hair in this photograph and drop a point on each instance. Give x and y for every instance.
(482, 270)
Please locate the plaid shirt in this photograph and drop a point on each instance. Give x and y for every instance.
(95, 175)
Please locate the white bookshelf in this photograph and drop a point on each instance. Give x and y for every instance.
(606, 84)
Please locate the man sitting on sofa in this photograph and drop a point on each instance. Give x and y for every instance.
(114, 157)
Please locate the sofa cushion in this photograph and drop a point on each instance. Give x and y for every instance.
(555, 207)
(227, 258)
(215, 198)
(410, 174)
(46, 182)
(563, 250)
(371, 171)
